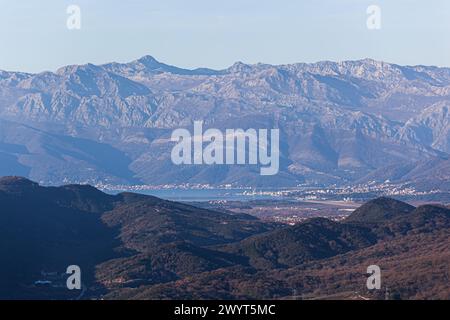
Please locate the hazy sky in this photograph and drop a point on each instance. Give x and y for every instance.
(215, 34)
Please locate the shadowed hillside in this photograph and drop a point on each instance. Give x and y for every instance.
(141, 247)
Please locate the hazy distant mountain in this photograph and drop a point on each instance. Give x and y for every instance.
(431, 127)
(141, 247)
(340, 122)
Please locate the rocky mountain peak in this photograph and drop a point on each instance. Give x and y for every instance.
(238, 67)
(148, 61)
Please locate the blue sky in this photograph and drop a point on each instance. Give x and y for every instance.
(215, 34)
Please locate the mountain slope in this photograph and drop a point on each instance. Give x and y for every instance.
(379, 211)
(312, 240)
(413, 257)
(340, 122)
(136, 246)
(50, 228)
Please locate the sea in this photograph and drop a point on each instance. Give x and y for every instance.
(204, 195)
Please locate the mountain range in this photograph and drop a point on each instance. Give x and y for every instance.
(131, 246)
(340, 123)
